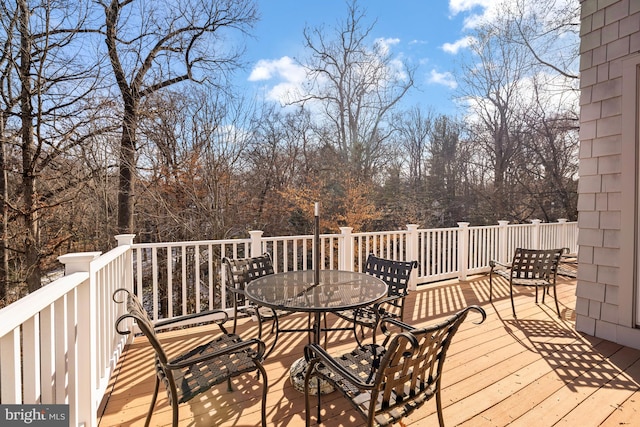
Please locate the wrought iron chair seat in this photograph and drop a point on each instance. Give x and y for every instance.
(387, 382)
(536, 268)
(396, 275)
(195, 371)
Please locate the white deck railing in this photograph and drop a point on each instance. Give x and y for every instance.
(58, 345)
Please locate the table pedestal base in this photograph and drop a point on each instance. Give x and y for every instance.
(296, 375)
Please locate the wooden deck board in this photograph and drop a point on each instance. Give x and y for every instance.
(531, 370)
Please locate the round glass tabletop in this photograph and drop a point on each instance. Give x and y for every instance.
(296, 291)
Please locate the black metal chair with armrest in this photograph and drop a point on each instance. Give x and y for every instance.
(387, 382)
(241, 271)
(530, 267)
(195, 371)
(396, 275)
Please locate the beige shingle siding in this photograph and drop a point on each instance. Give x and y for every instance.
(606, 38)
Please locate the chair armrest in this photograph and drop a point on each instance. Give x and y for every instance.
(315, 354)
(186, 317)
(493, 263)
(395, 322)
(234, 348)
(386, 300)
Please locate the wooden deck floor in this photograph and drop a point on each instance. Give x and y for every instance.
(536, 370)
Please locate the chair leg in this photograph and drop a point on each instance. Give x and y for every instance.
(555, 297)
(439, 405)
(326, 332)
(235, 317)
(490, 286)
(513, 306)
(265, 388)
(175, 413)
(276, 328)
(355, 334)
(153, 402)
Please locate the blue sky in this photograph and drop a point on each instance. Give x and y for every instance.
(427, 33)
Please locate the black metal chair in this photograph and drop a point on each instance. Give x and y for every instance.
(530, 267)
(196, 370)
(387, 382)
(396, 275)
(241, 271)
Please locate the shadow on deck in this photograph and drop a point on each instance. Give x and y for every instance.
(533, 370)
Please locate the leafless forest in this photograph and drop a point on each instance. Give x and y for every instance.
(118, 117)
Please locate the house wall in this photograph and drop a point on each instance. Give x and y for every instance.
(608, 190)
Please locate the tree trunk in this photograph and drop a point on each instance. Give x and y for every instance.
(4, 255)
(30, 212)
(127, 169)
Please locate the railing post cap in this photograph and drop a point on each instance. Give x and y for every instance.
(412, 227)
(503, 222)
(536, 221)
(125, 239)
(77, 261)
(346, 230)
(563, 220)
(463, 224)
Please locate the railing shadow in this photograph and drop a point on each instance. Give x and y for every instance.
(577, 360)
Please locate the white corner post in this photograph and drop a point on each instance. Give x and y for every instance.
(84, 380)
(564, 235)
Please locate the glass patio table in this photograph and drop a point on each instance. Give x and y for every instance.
(296, 291)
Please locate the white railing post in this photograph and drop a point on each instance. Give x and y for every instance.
(463, 250)
(535, 236)
(77, 262)
(345, 249)
(412, 253)
(84, 402)
(127, 240)
(503, 239)
(564, 240)
(256, 242)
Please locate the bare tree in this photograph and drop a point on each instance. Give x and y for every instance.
(492, 84)
(153, 45)
(518, 80)
(548, 29)
(45, 82)
(9, 100)
(356, 84)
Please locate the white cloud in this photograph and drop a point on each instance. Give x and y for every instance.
(453, 48)
(458, 6)
(479, 12)
(384, 44)
(284, 76)
(445, 79)
(285, 67)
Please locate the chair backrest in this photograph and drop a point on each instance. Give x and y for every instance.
(241, 271)
(535, 263)
(135, 311)
(395, 274)
(409, 373)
